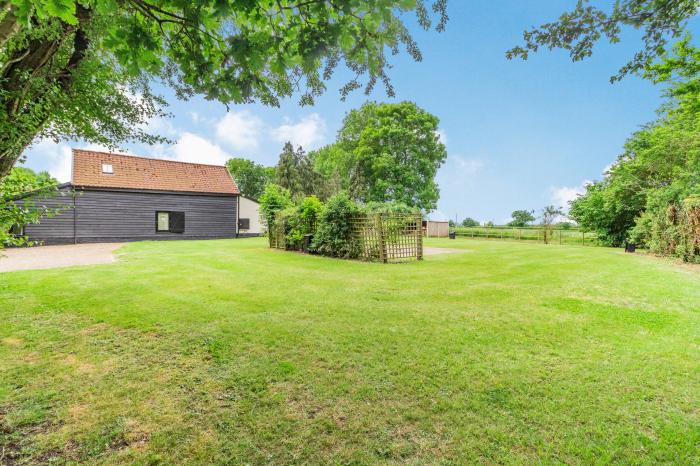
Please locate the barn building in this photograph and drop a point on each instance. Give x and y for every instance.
(115, 197)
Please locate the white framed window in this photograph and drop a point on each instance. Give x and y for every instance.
(162, 221)
(168, 221)
(107, 168)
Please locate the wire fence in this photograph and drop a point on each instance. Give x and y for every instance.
(559, 236)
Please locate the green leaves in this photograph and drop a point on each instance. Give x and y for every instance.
(62, 9)
(389, 152)
(250, 177)
(579, 30)
(232, 51)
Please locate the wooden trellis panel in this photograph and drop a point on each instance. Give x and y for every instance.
(389, 237)
(278, 238)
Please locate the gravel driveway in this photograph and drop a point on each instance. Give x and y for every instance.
(49, 257)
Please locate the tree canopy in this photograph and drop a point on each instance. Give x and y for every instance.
(250, 177)
(577, 31)
(470, 222)
(84, 68)
(521, 218)
(13, 215)
(387, 152)
(647, 195)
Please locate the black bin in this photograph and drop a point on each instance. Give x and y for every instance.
(453, 235)
(306, 243)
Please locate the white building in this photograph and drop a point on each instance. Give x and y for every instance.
(249, 217)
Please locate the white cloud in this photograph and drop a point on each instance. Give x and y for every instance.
(52, 157)
(562, 195)
(468, 166)
(309, 132)
(99, 148)
(162, 126)
(240, 130)
(609, 167)
(194, 148)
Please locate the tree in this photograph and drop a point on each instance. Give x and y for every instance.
(550, 214)
(23, 180)
(14, 215)
(72, 68)
(470, 222)
(389, 152)
(288, 169)
(250, 177)
(577, 31)
(273, 199)
(521, 218)
(296, 171)
(648, 195)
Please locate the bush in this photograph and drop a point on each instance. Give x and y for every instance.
(670, 228)
(274, 199)
(300, 221)
(470, 222)
(334, 233)
(392, 207)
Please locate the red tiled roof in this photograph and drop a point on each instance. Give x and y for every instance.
(131, 172)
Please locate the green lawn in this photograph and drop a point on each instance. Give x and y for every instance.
(211, 352)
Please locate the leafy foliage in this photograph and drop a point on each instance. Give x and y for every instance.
(578, 31)
(250, 177)
(388, 153)
(334, 233)
(300, 220)
(470, 222)
(521, 218)
(643, 196)
(392, 207)
(550, 214)
(99, 56)
(273, 200)
(14, 213)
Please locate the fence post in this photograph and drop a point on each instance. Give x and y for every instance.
(560, 237)
(583, 238)
(419, 237)
(382, 240)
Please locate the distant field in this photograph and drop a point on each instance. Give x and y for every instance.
(571, 236)
(226, 352)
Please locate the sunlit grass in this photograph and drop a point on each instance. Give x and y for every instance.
(209, 352)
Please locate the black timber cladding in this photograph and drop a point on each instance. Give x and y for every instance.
(128, 215)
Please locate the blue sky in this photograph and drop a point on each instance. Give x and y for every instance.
(519, 135)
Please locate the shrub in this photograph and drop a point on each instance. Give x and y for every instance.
(334, 233)
(274, 199)
(300, 221)
(670, 228)
(469, 222)
(393, 207)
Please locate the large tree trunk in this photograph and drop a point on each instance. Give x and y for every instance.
(30, 90)
(9, 24)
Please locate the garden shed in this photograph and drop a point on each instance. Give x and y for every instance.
(436, 229)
